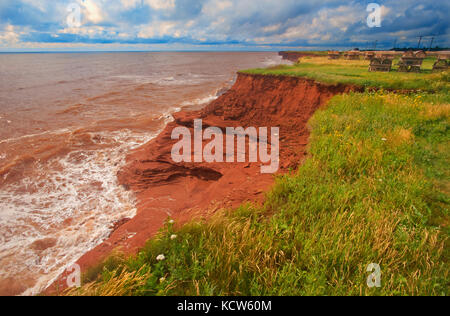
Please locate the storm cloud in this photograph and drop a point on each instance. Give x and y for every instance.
(219, 24)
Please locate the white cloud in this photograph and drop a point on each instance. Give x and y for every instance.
(9, 36)
(92, 31)
(159, 29)
(272, 28)
(127, 4)
(325, 24)
(92, 11)
(215, 7)
(154, 4)
(385, 11)
(161, 4)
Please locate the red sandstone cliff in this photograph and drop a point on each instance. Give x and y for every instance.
(185, 190)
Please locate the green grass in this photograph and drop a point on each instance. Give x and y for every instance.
(375, 189)
(356, 73)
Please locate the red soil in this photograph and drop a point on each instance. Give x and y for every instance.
(183, 191)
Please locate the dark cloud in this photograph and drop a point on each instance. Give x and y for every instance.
(262, 23)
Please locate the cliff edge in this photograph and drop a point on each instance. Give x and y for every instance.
(183, 191)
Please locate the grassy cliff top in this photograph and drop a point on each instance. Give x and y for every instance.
(356, 72)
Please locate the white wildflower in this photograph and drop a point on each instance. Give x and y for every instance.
(384, 139)
(161, 258)
(173, 237)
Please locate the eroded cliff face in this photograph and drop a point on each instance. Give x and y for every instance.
(183, 191)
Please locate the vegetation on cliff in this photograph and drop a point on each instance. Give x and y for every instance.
(374, 189)
(355, 72)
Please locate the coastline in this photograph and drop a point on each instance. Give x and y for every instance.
(185, 192)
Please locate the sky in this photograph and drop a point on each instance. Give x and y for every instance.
(118, 25)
